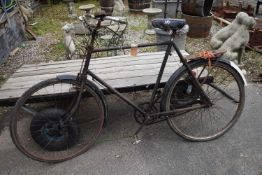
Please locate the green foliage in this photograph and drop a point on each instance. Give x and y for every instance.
(57, 51)
(44, 26)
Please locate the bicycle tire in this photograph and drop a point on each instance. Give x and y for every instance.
(38, 126)
(180, 92)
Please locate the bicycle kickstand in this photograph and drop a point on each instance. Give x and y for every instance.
(137, 140)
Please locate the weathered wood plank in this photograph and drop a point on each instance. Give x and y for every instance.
(16, 83)
(119, 71)
(117, 65)
(107, 59)
(100, 63)
(130, 82)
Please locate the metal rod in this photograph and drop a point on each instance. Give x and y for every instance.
(186, 109)
(160, 74)
(114, 91)
(177, 6)
(223, 93)
(165, 13)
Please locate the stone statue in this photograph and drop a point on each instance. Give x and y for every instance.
(119, 8)
(68, 40)
(234, 37)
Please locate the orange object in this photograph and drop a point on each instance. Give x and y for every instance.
(133, 51)
(207, 55)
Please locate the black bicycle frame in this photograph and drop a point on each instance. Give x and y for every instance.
(170, 44)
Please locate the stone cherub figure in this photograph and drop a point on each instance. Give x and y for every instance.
(234, 37)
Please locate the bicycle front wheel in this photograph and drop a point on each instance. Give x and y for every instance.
(224, 87)
(43, 128)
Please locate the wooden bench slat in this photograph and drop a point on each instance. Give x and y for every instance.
(119, 65)
(131, 82)
(29, 81)
(108, 59)
(100, 60)
(101, 63)
(118, 71)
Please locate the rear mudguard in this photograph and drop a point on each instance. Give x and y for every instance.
(94, 88)
(232, 64)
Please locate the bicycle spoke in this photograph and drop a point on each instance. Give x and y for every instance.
(38, 128)
(29, 110)
(224, 93)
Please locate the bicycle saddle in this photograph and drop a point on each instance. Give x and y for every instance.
(168, 23)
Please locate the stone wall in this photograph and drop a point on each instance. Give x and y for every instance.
(12, 33)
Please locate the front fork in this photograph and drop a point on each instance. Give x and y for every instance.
(80, 90)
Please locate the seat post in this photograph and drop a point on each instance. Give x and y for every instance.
(173, 34)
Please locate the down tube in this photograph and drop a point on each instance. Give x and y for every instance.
(114, 91)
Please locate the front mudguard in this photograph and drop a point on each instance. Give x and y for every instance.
(94, 88)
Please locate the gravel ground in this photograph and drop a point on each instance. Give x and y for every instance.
(29, 52)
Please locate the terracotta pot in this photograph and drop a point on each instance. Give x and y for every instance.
(197, 7)
(199, 26)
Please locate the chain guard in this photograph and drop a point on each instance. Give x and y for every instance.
(140, 118)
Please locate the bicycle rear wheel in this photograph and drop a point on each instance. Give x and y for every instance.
(40, 126)
(224, 87)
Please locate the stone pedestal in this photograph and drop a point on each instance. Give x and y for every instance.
(151, 14)
(87, 8)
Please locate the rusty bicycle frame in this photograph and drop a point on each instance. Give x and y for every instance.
(82, 76)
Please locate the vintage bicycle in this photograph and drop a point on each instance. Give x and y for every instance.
(60, 118)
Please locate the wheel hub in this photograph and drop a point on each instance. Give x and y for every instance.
(49, 130)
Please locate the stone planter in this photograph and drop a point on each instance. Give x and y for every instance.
(179, 40)
(138, 5)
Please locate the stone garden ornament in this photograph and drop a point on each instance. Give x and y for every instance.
(234, 37)
(68, 40)
(119, 8)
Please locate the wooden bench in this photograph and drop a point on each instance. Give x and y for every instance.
(126, 73)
